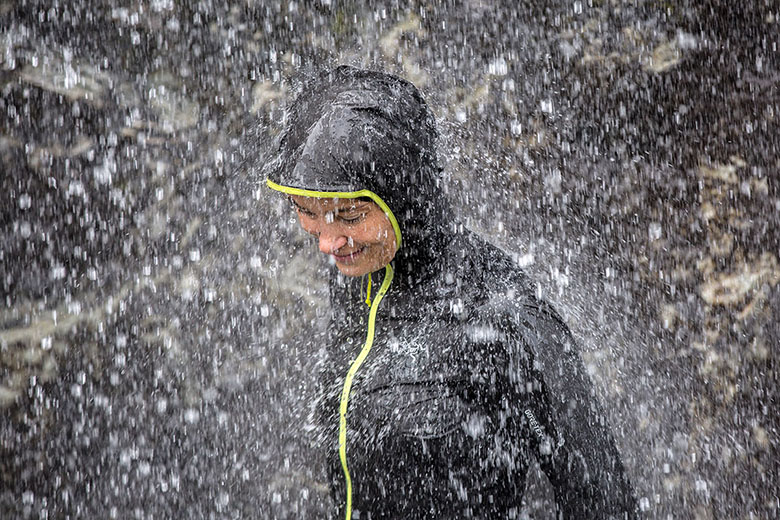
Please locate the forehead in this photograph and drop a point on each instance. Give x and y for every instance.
(328, 204)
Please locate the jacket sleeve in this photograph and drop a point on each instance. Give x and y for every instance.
(566, 426)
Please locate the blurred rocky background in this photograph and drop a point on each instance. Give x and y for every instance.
(154, 297)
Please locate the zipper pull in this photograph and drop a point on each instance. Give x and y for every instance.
(368, 292)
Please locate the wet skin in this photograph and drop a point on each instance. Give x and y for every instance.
(356, 234)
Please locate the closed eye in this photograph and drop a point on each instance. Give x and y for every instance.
(353, 220)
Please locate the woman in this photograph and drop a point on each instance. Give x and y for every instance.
(441, 385)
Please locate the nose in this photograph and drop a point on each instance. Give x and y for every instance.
(331, 242)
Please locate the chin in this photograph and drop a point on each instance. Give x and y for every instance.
(352, 270)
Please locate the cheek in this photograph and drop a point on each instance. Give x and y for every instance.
(380, 230)
(307, 225)
(388, 239)
(384, 238)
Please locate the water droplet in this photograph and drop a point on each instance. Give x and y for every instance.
(191, 415)
(25, 229)
(25, 201)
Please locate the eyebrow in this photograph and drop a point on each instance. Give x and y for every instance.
(354, 207)
(298, 206)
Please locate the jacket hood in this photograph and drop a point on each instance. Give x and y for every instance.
(351, 130)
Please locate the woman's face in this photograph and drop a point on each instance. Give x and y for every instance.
(356, 234)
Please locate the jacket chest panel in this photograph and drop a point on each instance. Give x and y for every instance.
(408, 385)
(411, 350)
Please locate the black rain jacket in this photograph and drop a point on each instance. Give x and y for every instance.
(468, 376)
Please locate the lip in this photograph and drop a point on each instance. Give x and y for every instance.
(350, 258)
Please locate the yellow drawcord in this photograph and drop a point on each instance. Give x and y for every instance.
(348, 385)
(290, 190)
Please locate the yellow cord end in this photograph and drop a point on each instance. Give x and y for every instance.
(368, 292)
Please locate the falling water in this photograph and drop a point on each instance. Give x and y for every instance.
(155, 295)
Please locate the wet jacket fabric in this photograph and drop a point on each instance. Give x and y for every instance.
(467, 377)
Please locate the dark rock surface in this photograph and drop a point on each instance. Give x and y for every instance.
(154, 294)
